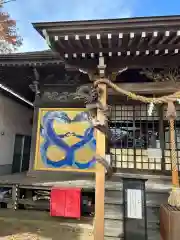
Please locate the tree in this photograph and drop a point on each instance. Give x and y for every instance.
(9, 38)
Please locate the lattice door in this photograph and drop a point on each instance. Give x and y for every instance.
(135, 132)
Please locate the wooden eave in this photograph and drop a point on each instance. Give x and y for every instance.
(17, 74)
(17, 70)
(145, 42)
(37, 58)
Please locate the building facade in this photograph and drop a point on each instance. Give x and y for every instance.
(143, 55)
(15, 124)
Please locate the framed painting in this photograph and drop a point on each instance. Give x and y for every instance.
(65, 140)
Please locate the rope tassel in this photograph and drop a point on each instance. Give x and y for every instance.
(171, 111)
(150, 109)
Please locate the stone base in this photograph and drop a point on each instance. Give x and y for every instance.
(169, 222)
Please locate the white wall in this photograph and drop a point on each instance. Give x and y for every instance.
(14, 119)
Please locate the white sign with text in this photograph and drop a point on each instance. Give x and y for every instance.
(134, 203)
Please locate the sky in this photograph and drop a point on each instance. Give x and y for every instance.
(27, 11)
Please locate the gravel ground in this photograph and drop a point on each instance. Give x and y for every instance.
(23, 229)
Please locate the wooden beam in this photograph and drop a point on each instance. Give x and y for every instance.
(96, 49)
(116, 62)
(98, 36)
(131, 39)
(154, 38)
(100, 174)
(88, 39)
(175, 38)
(148, 88)
(109, 40)
(158, 88)
(142, 39)
(164, 37)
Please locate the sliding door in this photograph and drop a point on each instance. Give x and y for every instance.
(21, 156)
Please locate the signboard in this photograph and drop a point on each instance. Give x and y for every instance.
(154, 153)
(134, 203)
(65, 141)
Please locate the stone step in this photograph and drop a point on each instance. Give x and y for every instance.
(153, 236)
(153, 199)
(114, 229)
(157, 192)
(152, 185)
(119, 222)
(141, 176)
(115, 212)
(113, 238)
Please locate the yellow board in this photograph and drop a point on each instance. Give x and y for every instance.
(65, 140)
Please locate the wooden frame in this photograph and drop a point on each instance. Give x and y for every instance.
(60, 129)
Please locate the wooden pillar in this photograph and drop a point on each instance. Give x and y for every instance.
(100, 176)
(162, 136)
(100, 171)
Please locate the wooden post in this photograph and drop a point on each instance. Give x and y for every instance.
(100, 176)
(162, 136)
(175, 175)
(100, 170)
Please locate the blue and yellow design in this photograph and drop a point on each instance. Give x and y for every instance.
(65, 141)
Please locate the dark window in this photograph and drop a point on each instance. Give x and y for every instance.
(21, 156)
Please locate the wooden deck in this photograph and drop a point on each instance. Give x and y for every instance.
(43, 180)
(85, 181)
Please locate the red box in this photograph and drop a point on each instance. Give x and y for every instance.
(65, 202)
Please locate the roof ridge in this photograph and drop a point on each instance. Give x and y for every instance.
(48, 51)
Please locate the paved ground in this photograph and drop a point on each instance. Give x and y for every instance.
(19, 227)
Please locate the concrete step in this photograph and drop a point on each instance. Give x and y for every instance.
(113, 238)
(153, 198)
(154, 183)
(155, 236)
(114, 229)
(157, 192)
(115, 212)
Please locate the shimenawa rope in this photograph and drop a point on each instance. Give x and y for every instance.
(174, 198)
(165, 99)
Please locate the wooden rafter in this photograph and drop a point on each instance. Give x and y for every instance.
(119, 39)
